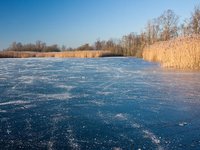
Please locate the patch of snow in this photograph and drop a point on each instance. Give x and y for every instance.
(61, 96)
(2, 111)
(121, 116)
(182, 124)
(117, 148)
(135, 125)
(104, 93)
(19, 102)
(67, 87)
(98, 102)
(153, 138)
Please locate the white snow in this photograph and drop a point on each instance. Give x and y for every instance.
(67, 87)
(58, 96)
(152, 136)
(182, 124)
(121, 116)
(18, 102)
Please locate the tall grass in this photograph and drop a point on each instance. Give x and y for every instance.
(181, 53)
(70, 54)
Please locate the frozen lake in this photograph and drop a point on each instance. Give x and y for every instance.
(93, 104)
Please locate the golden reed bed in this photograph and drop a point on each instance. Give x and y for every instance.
(180, 53)
(70, 54)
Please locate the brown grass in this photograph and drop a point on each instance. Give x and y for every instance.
(70, 54)
(180, 53)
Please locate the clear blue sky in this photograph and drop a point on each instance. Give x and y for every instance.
(75, 22)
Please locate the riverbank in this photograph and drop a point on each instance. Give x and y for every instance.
(69, 54)
(179, 53)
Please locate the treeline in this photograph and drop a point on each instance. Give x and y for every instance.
(177, 46)
(130, 45)
(163, 28)
(37, 47)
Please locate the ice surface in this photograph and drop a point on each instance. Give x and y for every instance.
(106, 103)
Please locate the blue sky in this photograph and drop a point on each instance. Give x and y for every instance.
(75, 22)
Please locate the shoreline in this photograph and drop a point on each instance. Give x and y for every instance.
(69, 54)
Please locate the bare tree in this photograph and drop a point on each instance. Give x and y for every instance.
(37, 47)
(169, 25)
(195, 20)
(129, 44)
(13, 46)
(186, 28)
(98, 45)
(149, 32)
(85, 47)
(63, 48)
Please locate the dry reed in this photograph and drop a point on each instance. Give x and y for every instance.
(180, 53)
(69, 54)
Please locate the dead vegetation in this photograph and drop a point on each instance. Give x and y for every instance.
(70, 54)
(180, 53)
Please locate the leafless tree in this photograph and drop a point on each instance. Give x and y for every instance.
(195, 20)
(186, 28)
(85, 47)
(168, 24)
(98, 45)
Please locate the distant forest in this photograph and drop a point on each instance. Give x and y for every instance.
(163, 28)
